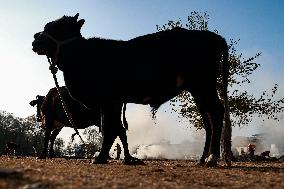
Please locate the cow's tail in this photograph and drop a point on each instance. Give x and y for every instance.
(225, 80)
(123, 117)
(225, 71)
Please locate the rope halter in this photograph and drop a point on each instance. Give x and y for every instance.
(58, 45)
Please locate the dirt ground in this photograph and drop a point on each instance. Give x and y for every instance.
(59, 173)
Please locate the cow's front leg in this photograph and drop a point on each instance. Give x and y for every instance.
(43, 154)
(110, 116)
(108, 140)
(52, 139)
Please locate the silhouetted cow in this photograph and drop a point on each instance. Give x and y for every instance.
(11, 147)
(149, 69)
(51, 113)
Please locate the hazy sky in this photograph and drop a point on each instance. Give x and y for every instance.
(23, 74)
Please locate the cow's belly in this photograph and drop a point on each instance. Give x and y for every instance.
(140, 86)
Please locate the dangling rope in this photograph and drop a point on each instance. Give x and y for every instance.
(53, 70)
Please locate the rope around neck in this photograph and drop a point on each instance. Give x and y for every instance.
(65, 108)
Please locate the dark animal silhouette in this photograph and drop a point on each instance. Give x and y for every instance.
(149, 69)
(11, 148)
(51, 113)
(265, 154)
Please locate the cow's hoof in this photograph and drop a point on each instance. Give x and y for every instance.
(133, 161)
(211, 161)
(228, 163)
(51, 156)
(201, 162)
(41, 157)
(228, 160)
(99, 160)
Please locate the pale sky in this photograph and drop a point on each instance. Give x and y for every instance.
(24, 74)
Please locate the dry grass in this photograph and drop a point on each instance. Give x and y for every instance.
(61, 173)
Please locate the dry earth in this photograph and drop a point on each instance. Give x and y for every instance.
(30, 173)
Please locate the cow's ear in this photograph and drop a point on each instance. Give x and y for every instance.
(80, 23)
(76, 16)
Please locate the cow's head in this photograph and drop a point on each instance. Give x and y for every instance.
(33, 102)
(56, 33)
(38, 101)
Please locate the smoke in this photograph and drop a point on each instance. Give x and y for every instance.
(170, 137)
(273, 132)
(166, 137)
(269, 132)
(266, 135)
(166, 150)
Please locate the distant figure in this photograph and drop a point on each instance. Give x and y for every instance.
(251, 149)
(265, 154)
(242, 151)
(79, 151)
(118, 151)
(11, 148)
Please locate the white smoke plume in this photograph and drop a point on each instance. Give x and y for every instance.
(273, 139)
(166, 137)
(267, 135)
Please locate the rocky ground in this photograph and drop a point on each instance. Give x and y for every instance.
(59, 173)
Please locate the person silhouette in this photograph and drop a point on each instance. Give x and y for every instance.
(118, 151)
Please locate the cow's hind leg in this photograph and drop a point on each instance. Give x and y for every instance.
(212, 112)
(128, 159)
(52, 139)
(208, 133)
(216, 117)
